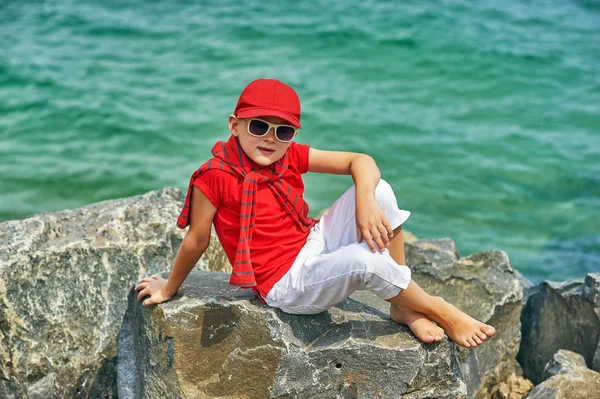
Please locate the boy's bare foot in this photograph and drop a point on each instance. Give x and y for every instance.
(460, 327)
(420, 325)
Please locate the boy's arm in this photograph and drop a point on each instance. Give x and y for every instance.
(202, 213)
(371, 223)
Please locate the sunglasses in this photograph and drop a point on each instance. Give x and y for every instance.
(259, 128)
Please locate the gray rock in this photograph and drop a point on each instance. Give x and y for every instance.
(558, 316)
(567, 378)
(563, 362)
(525, 283)
(596, 360)
(485, 286)
(211, 340)
(515, 387)
(64, 279)
(591, 292)
(591, 289)
(446, 245)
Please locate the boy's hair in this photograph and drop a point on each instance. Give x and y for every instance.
(269, 97)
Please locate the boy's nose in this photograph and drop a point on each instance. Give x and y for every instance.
(270, 134)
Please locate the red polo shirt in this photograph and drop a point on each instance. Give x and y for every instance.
(276, 238)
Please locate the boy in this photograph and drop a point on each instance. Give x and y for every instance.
(252, 191)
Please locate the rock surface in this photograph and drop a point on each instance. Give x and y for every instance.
(559, 316)
(567, 378)
(485, 286)
(445, 245)
(563, 362)
(515, 387)
(596, 360)
(591, 292)
(211, 340)
(64, 279)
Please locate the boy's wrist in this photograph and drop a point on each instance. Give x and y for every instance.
(364, 194)
(169, 289)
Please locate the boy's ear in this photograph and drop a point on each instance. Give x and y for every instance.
(234, 125)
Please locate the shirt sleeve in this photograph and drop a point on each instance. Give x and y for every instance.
(212, 183)
(298, 154)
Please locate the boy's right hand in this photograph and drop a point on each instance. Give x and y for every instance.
(156, 287)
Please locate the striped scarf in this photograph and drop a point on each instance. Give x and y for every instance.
(229, 157)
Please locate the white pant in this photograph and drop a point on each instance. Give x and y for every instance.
(332, 264)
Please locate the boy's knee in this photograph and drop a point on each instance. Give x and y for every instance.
(367, 261)
(360, 255)
(361, 260)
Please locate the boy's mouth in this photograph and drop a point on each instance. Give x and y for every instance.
(265, 150)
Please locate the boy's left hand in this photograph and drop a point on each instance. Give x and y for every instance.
(372, 224)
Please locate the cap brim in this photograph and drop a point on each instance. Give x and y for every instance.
(256, 112)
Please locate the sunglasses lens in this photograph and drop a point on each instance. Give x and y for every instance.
(285, 133)
(258, 128)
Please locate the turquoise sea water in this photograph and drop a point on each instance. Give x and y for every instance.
(484, 116)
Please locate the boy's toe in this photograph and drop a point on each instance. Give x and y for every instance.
(435, 335)
(481, 335)
(428, 339)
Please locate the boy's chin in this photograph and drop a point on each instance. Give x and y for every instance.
(264, 161)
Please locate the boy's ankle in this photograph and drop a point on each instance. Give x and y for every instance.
(437, 308)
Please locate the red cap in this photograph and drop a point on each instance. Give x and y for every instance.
(269, 97)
